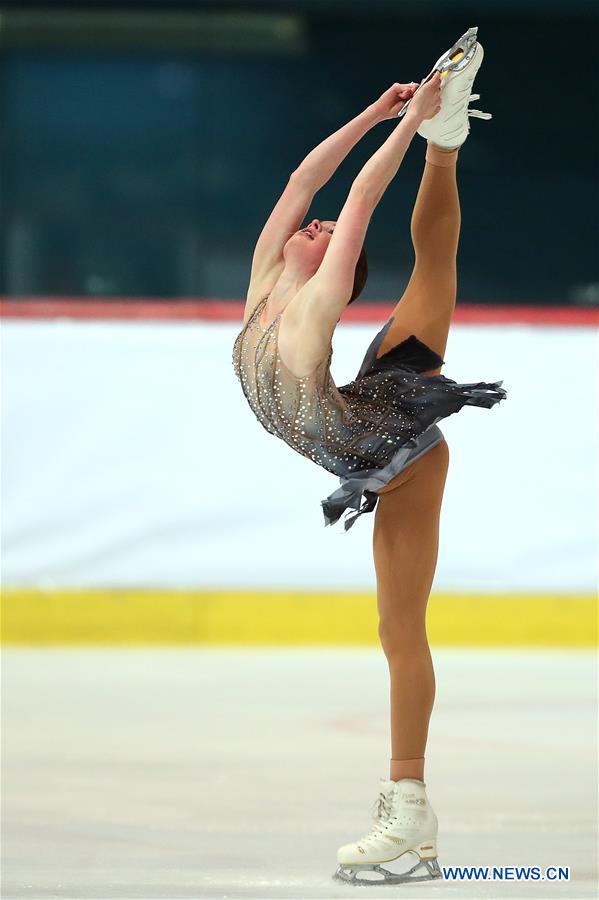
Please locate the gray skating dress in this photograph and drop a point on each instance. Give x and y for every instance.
(366, 431)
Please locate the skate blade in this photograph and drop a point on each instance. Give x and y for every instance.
(464, 46)
(454, 60)
(381, 873)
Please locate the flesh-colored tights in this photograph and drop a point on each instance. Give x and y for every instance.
(406, 525)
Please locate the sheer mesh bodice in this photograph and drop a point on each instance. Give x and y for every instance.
(310, 413)
(355, 430)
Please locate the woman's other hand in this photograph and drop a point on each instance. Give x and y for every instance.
(393, 100)
(427, 99)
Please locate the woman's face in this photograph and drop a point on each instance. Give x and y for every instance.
(306, 248)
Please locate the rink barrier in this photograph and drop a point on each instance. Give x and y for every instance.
(206, 309)
(278, 618)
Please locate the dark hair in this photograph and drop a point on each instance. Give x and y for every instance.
(360, 276)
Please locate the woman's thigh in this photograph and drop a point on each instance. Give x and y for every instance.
(406, 536)
(433, 460)
(425, 309)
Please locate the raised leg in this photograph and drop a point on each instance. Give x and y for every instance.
(427, 305)
(405, 544)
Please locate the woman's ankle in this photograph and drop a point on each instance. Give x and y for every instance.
(407, 768)
(440, 156)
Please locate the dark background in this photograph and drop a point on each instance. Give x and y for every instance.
(143, 145)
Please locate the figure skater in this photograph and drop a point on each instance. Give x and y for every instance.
(377, 433)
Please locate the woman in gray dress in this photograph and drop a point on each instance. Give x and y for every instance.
(378, 433)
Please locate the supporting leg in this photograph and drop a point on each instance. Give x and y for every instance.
(405, 544)
(427, 305)
(406, 768)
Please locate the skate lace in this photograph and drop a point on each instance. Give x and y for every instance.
(477, 113)
(381, 806)
(380, 812)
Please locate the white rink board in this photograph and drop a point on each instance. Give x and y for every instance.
(130, 458)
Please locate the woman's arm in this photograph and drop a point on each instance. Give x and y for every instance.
(325, 295)
(295, 201)
(383, 165)
(375, 176)
(316, 169)
(322, 162)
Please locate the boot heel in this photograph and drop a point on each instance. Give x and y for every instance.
(427, 849)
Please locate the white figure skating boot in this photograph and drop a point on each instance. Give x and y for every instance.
(458, 67)
(405, 825)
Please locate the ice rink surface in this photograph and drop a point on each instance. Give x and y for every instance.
(206, 773)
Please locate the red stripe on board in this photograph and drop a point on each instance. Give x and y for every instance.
(232, 311)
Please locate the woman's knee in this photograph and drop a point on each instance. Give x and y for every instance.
(400, 635)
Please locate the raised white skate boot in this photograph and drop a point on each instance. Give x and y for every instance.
(458, 67)
(405, 826)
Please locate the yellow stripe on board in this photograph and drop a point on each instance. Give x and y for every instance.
(168, 617)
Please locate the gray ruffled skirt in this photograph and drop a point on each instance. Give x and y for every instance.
(438, 397)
